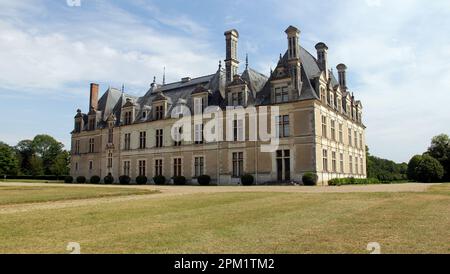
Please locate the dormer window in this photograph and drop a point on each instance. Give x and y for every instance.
(159, 112)
(281, 95)
(237, 98)
(128, 117)
(199, 105)
(92, 123)
(144, 115)
(78, 126)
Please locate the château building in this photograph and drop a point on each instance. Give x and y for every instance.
(319, 124)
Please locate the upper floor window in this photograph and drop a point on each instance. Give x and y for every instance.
(91, 145)
(283, 126)
(144, 115)
(237, 98)
(159, 138)
(159, 112)
(110, 135)
(142, 140)
(92, 124)
(78, 126)
(360, 141)
(198, 134)
(77, 147)
(356, 139)
(281, 95)
(199, 105)
(238, 130)
(349, 137)
(177, 136)
(128, 118)
(324, 126)
(127, 141)
(341, 134)
(333, 130)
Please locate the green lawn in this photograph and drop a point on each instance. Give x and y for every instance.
(30, 181)
(240, 223)
(36, 194)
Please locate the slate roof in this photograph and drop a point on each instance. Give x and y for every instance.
(181, 92)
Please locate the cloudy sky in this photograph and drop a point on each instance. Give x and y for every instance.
(397, 52)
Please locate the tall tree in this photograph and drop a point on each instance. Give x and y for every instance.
(61, 165)
(47, 148)
(25, 152)
(37, 166)
(440, 150)
(9, 164)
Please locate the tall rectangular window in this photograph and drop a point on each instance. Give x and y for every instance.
(177, 164)
(198, 134)
(158, 167)
(237, 98)
(238, 164)
(325, 160)
(91, 165)
(92, 124)
(350, 163)
(142, 168)
(199, 105)
(283, 162)
(356, 165)
(333, 161)
(360, 141)
(333, 130)
(177, 136)
(159, 112)
(341, 135)
(159, 138)
(356, 139)
(199, 166)
(142, 140)
(349, 137)
(128, 118)
(238, 130)
(283, 126)
(110, 159)
(341, 162)
(91, 145)
(362, 166)
(127, 140)
(77, 146)
(126, 168)
(78, 127)
(324, 127)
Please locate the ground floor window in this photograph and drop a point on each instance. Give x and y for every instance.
(341, 162)
(199, 166)
(177, 162)
(110, 160)
(158, 167)
(238, 164)
(350, 164)
(126, 168)
(91, 165)
(333, 161)
(325, 160)
(283, 165)
(142, 168)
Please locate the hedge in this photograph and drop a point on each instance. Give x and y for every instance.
(353, 181)
(29, 177)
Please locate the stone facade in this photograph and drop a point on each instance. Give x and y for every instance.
(319, 124)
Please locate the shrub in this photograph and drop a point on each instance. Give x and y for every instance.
(247, 180)
(109, 179)
(159, 180)
(429, 170)
(141, 180)
(124, 180)
(81, 180)
(38, 177)
(95, 180)
(179, 180)
(204, 180)
(412, 165)
(68, 180)
(310, 179)
(353, 181)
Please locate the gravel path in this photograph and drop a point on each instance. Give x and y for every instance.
(170, 191)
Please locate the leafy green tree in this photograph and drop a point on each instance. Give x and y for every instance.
(9, 164)
(37, 166)
(383, 169)
(25, 152)
(429, 170)
(440, 150)
(61, 164)
(412, 165)
(48, 149)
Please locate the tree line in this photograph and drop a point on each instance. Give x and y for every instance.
(43, 155)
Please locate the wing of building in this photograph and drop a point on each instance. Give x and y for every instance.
(318, 124)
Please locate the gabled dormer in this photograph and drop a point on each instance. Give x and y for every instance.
(160, 105)
(128, 112)
(200, 97)
(237, 92)
(79, 122)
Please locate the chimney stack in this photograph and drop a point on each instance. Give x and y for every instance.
(93, 100)
(322, 57)
(342, 76)
(293, 35)
(231, 61)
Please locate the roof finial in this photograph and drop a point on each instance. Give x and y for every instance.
(123, 88)
(281, 56)
(271, 71)
(220, 64)
(164, 76)
(246, 61)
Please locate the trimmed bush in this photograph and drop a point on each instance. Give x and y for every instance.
(95, 180)
(81, 180)
(429, 170)
(204, 180)
(310, 179)
(247, 180)
(179, 180)
(353, 181)
(68, 180)
(159, 180)
(124, 180)
(141, 180)
(108, 180)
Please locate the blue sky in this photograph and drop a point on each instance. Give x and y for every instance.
(397, 52)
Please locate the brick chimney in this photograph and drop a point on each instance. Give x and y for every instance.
(231, 61)
(322, 58)
(93, 99)
(342, 70)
